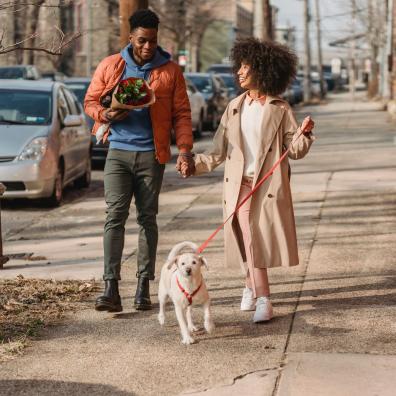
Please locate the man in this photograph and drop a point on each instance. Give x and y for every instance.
(139, 148)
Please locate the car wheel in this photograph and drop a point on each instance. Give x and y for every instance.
(199, 128)
(85, 180)
(57, 194)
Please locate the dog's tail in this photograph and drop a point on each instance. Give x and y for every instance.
(179, 247)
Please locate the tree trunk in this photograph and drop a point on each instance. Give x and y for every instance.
(31, 22)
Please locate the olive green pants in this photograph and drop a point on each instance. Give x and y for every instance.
(130, 174)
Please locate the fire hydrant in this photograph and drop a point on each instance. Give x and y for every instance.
(3, 259)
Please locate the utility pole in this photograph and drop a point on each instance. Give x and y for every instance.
(262, 15)
(388, 52)
(307, 54)
(258, 21)
(385, 50)
(89, 39)
(267, 14)
(352, 61)
(319, 49)
(126, 9)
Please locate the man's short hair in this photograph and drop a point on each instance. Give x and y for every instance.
(144, 19)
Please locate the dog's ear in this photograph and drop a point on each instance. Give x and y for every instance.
(172, 262)
(203, 262)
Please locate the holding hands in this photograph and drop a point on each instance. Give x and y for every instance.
(185, 164)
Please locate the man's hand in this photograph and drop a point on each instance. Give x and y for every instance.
(185, 164)
(115, 115)
(307, 125)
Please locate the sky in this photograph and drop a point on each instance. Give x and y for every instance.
(334, 26)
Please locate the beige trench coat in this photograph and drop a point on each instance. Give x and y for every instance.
(271, 212)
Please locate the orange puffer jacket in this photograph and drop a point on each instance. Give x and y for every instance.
(171, 109)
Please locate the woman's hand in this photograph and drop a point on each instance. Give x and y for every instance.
(307, 125)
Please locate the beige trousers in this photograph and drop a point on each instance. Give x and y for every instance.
(256, 278)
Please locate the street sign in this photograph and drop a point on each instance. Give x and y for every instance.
(182, 60)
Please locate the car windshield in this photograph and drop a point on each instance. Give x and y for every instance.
(25, 107)
(202, 83)
(79, 89)
(11, 72)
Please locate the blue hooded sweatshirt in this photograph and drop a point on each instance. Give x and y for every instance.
(135, 132)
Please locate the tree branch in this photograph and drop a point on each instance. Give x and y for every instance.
(55, 49)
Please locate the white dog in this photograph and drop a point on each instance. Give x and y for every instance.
(182, 280)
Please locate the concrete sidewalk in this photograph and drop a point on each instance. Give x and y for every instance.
(334, 329)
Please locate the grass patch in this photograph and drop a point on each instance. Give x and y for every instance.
(28, 305)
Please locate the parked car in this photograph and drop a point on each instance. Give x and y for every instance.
(198, 107)
(53, 76)
(315, 85)
(298, 91)
(288, 95)
(220, 68)
(215, 92)
(233, 87)
(20, 72)
(45, 140)
(79, 86)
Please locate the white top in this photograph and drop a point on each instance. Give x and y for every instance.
(251, 119)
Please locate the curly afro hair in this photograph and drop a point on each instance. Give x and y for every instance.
(145, 19)
(273, 66)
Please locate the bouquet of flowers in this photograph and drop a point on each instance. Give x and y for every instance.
(132, 93)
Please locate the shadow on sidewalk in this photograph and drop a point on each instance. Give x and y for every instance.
(50, 388)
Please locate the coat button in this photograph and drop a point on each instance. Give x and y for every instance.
(225, 202)
(229, 157)
(226, 179)
(270, 196)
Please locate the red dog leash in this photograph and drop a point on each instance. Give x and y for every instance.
(256, 187)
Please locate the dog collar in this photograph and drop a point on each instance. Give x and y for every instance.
(188, 295)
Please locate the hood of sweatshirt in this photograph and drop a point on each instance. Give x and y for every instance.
(160, 58)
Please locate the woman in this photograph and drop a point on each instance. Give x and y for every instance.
(255, 130)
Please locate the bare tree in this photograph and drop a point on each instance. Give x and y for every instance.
(26, 39)
(185, 21)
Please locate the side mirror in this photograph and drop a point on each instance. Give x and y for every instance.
(72, 120)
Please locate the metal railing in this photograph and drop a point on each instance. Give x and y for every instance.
(3, 259)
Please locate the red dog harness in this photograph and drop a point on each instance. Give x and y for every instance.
(188, 295)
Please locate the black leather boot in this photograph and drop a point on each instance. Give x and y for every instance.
(110, 301)
(142, 296)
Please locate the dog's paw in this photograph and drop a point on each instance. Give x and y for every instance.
(209, 326)
(193, 328)
(187, 340)
(161, 319)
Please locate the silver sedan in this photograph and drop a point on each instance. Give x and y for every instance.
(45, 142)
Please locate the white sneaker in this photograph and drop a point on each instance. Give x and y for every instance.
(264, 310)
(248, 302)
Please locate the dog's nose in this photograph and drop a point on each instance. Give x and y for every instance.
(188, 271)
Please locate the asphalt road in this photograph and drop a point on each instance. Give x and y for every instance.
(18, 215)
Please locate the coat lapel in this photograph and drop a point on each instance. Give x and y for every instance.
(235, 123)
(272, 118)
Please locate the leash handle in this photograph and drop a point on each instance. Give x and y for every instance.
(204, 245)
